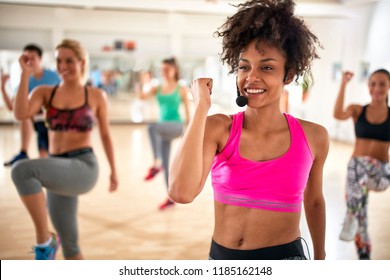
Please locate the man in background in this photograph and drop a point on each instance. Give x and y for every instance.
(40, 76)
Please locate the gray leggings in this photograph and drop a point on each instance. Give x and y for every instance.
(65, 177)
(161, 136)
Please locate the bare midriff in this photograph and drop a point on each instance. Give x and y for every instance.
(61, 142)
(372, 148)
(251, 228)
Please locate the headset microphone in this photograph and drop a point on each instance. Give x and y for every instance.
(241, 100)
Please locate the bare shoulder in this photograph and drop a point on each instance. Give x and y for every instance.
(42, 92)
(355, 110)
(218, 129)
(183, 91)
(317, 136)
(96, 93)
(313, 128)
(356, 107)
(97, 98)
(43, 89)
(219, 121)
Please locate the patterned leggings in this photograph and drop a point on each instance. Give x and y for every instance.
(364, 174)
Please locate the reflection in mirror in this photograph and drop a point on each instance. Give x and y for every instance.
(118, 79)
(117, 73)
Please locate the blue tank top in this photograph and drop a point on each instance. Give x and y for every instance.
(49, 77)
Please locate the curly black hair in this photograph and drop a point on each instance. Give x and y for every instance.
(271, 22)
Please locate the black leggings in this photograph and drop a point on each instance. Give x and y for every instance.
(289, 251)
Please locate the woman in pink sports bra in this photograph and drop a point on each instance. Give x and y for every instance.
(72, 168)
(264, 164)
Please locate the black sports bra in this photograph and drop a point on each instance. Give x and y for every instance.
(364, 129)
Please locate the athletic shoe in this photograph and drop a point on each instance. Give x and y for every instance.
(153, 171)
(21, 155)
(168, 203)
(365, 256)
(48, 252)
(350, 228)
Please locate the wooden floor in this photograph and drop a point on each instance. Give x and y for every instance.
(127, 225)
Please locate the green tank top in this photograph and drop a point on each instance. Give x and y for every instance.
(169, 105)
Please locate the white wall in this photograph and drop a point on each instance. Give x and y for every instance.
(354, 33)
(344, 40)
(378, 39)
(156, 33)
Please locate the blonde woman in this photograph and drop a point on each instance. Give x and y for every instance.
(71, 168)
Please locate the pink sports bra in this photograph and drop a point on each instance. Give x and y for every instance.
(80, 119)
(275, 185)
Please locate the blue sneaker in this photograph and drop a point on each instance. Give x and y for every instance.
(21, 155)
(48, 252)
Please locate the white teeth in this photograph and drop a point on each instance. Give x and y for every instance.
(255, 91)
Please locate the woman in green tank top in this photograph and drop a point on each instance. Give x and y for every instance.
(170, 95)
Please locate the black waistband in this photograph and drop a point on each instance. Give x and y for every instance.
(279, 252)
(74, 153)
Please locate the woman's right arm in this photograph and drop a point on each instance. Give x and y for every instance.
(141, 94)
(194, 157)
(7, 100)
(25, 107)
(339, 112)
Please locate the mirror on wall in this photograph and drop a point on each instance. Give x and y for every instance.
(117, 73)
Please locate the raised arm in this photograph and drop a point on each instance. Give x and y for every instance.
(25, 107)
(184, 98)
(102, 116)
(193, 159)
(339, 111)
(314, 202)
(6, 98)
(141, 94)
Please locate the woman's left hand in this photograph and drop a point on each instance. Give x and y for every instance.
(113, 183)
